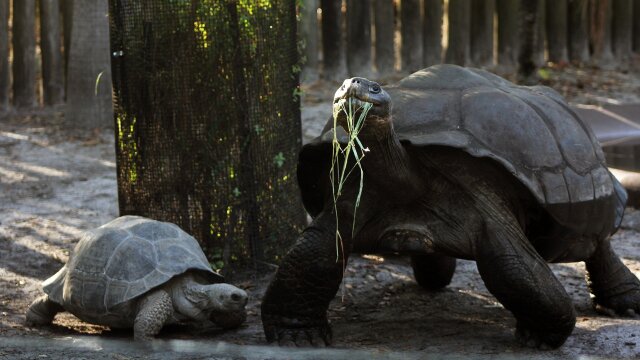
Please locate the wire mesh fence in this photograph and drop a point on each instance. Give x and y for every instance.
(208, 121)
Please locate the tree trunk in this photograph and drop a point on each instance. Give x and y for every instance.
(309, 37)
(528, 39)
(557, 31)
(208, 129)
(24, 54)
(578, 33)
(458, 49)
(482, 32)
(622, 23)
(411, 30)
(52, 66)
(66, 7)
(359, 38)
(432, 32)
(384, 31)
(4, 56)
(636, 26)
(89, 75)
(508, 19)
(600, 33)
(332, 49)
(541, 19)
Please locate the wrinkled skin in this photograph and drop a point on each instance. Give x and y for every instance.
(437, 204)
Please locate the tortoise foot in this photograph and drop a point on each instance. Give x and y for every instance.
(296, 332)
(541, 339)
(625, 304)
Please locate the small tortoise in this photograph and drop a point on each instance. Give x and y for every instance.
(466, 165)
(140, 273)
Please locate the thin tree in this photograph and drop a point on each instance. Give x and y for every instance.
(384, 31)
(458, 49)
(508, 19)
(89, 74)
(4, 56)
(333, 58)
(432, 32)
(359, 37)
(622, 23)
(52, 64)
(600, 33)
(528, 40)
(411, 30)
(636, 26)
(557, 31)
(309, 38)
(578, 31)
(539, 45)
(66, 6)
(24, 53)
(482, 32)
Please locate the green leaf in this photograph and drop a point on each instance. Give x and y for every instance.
(279, 159)
(544, 74)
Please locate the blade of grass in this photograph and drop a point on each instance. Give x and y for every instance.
(341, 172)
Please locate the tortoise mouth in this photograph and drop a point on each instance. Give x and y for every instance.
(355, 102)
(378, 108)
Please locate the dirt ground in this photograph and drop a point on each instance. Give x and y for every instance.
(55, 184)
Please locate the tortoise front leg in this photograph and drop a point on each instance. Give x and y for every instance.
(614, 286)
(153, 311)
(521, 280)
(294, 308)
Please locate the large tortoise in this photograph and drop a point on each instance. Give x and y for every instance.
(466, 165)
(140, 273)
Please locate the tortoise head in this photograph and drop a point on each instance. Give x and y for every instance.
(216, 297)
(360, 91)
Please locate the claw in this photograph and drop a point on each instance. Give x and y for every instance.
(536, 339)
(293, 332)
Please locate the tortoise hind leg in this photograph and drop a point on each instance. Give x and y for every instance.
(433, 271)
(42, 311)
(615, 288)
(521, 280)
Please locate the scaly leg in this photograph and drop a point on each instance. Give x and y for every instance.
(42, 311)
(294, 308)
(521, 280)
(616, 289)
(153, 311)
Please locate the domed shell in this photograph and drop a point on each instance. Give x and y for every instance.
(530, 131)
(121, 260)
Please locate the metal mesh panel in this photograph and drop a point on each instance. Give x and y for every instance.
(208, 121)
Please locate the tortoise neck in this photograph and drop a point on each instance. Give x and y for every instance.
(388, 162)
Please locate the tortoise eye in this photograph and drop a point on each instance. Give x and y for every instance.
(375, 89)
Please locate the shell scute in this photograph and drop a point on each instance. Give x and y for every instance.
(121, 266)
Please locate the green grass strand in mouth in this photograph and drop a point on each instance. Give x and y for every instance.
(339, 173)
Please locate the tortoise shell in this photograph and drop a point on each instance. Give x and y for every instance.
(122, 260)
(531, 131)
